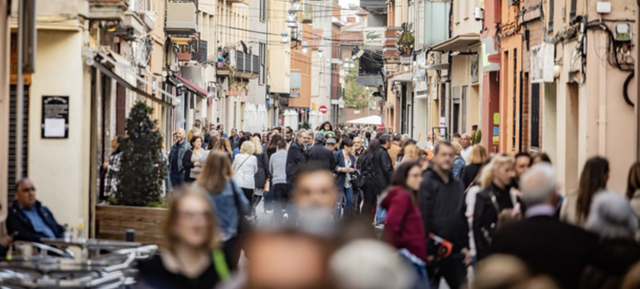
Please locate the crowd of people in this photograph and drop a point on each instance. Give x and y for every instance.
(352, 207)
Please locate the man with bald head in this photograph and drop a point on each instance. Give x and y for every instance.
(179, 148)
(29, 220)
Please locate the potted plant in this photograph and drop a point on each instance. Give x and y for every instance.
(138, 202)
(405, 43)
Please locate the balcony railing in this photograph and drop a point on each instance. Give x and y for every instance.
(182, 18)
(255, 69)
(107, 9)
(247, 66)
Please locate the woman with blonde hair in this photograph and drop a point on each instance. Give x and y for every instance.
(216, 179)
(477, 159)
(190, 255)
(245, 167)
(262, 175)
(492, 200)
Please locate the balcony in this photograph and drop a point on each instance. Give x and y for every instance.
(181, 18)
(247, 66)
(246, 2)
(107, 9)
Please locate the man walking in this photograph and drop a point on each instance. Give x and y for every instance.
(176, 170)
(318, 153)
(395, 148)
(465, 142)
(383, 164)
(280, 188)
(442, 206)
(234, 138)
(296, 156)
(358, 149)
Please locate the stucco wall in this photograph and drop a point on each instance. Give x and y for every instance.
(60, 167)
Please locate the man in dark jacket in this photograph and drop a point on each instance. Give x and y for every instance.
(29, 219)
(548, 246)
(442, 206)
(296, 156)
(179, 148)
(318, 153)
(382, 164)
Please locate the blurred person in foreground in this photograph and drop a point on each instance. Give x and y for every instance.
(314, 194)
(403, 226)
(442, 205)
(613, 219)
(633, 187)
(507, 272)
(288, 259)
(547, 245)
(189, 259)
(230, 203)
(370, 264)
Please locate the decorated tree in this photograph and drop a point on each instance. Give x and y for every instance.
(355, 96)
(141, 165)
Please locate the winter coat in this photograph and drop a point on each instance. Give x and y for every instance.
(442, 206)
(295, 159)
(226, 208)
(17, 221)
(383, 166)
(403, 226)
(320, 154)
(244, 174)
(340, 162)
(485, 215)
(263, 170)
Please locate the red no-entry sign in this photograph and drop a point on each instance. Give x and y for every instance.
(323, 109)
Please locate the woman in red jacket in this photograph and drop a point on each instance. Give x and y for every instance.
(403, 225)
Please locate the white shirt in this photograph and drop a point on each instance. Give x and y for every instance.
(465, 153)
(244, 173)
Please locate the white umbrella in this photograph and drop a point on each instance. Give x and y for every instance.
(372, 119)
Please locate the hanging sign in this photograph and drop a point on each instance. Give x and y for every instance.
(55, 117)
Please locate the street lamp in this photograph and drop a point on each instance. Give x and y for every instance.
(305, 48)
(285, 36)
(320, 50)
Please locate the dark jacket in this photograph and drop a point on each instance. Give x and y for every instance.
(340, 161)
(625, 252)
(469, 174)
(383, 166)
(263, 170)
(295, 158)
(17, 221)
(485, 215)
(318, 153)
(403, 226)
(548, 247)
(442, 206)
(178, 151)
(187, 165)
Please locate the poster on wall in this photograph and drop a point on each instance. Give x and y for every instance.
(55, 117)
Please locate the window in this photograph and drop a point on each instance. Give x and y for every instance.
(552, 9)
(535, 115)
(572, 14)
(263, 10)
(515, 85)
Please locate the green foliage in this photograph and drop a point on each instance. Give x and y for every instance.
(476, 138)
(405, 43)
(355, 96)
(141, 166)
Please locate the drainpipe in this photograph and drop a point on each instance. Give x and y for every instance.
(635, 108)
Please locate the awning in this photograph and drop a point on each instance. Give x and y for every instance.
(193, 87)
(372, 119)
(402, 77)
(457, 43)
(100, 62)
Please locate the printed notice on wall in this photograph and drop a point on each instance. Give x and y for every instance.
(55, 116)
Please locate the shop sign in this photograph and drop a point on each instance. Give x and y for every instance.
(374, 37)
(55, 117)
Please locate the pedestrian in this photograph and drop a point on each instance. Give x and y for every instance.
(220, 129)
(395, 148)
(179, 148)
(549, 246)
(358, 147)
(477, 159)
(245, 167)
(458, 163)
(411, 152)
(456, 138)
(320, 154)
(223, 145)
(189, 256)
(369, 173)
(280, 188)
(326, 128)
(494, 198)
(272, 148)
(195, 130)
(540, 157)
(112, 167)
(465, 141)
(403, 226)
(442, 207)
(366, 140)
(522, 164)
(383, 164)
(234, 138)
(345, 163)
(262, 176)
(296, 156)
(331, 144)
(594, 178)
(615, 222)
(190, 161)
(213, 140)
(633, 187)
(231, 204)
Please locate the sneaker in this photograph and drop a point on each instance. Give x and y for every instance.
(379, 226)
(268, 212)
(286, 216)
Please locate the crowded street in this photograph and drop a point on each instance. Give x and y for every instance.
(319, 144)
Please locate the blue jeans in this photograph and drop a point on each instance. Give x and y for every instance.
(268, 198)
(381, 214)
(422, 277)
(348, 193)
(177, 179)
